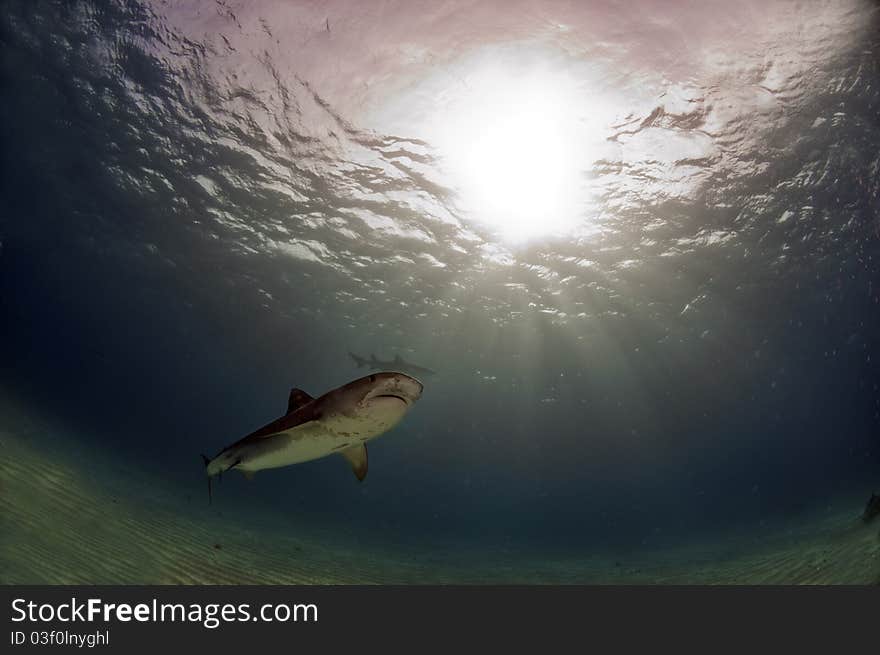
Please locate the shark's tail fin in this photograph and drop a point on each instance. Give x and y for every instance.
(207, 461)
(360, 361)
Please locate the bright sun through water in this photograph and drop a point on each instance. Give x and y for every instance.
(514, 145)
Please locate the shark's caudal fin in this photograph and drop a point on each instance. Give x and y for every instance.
(207, 461)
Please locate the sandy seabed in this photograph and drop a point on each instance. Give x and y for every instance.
(63, 521)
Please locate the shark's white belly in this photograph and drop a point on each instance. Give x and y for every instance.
(286, 448)
(319, 438)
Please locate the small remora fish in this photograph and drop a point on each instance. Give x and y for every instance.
(341, 421)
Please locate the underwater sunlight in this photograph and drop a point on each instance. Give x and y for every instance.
(596, 284)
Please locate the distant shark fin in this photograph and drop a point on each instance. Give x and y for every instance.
(297, 399)
(357, 457)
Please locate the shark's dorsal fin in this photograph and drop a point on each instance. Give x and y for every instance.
(357, 457)
(297, 399)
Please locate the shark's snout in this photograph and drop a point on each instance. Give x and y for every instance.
(395, 385)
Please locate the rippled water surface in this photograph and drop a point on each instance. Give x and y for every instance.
(638, 243)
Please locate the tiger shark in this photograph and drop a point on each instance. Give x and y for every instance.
(341, 421)
(398, 364)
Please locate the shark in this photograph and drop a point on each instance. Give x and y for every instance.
(872, 509)
(341, 421)
(398, 364)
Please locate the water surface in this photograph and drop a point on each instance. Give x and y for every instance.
(638, 244)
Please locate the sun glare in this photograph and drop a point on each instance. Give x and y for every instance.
(513, 146)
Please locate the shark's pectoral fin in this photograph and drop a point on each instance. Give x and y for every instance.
(357, 457)
(297, 399)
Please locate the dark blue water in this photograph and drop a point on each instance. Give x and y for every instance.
(690, 361)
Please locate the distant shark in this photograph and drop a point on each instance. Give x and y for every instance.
(872, 509)
(341, 421)
(397, 364)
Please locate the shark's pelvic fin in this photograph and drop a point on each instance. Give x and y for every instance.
(249, 475)
(297, 399)
(357, 457)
